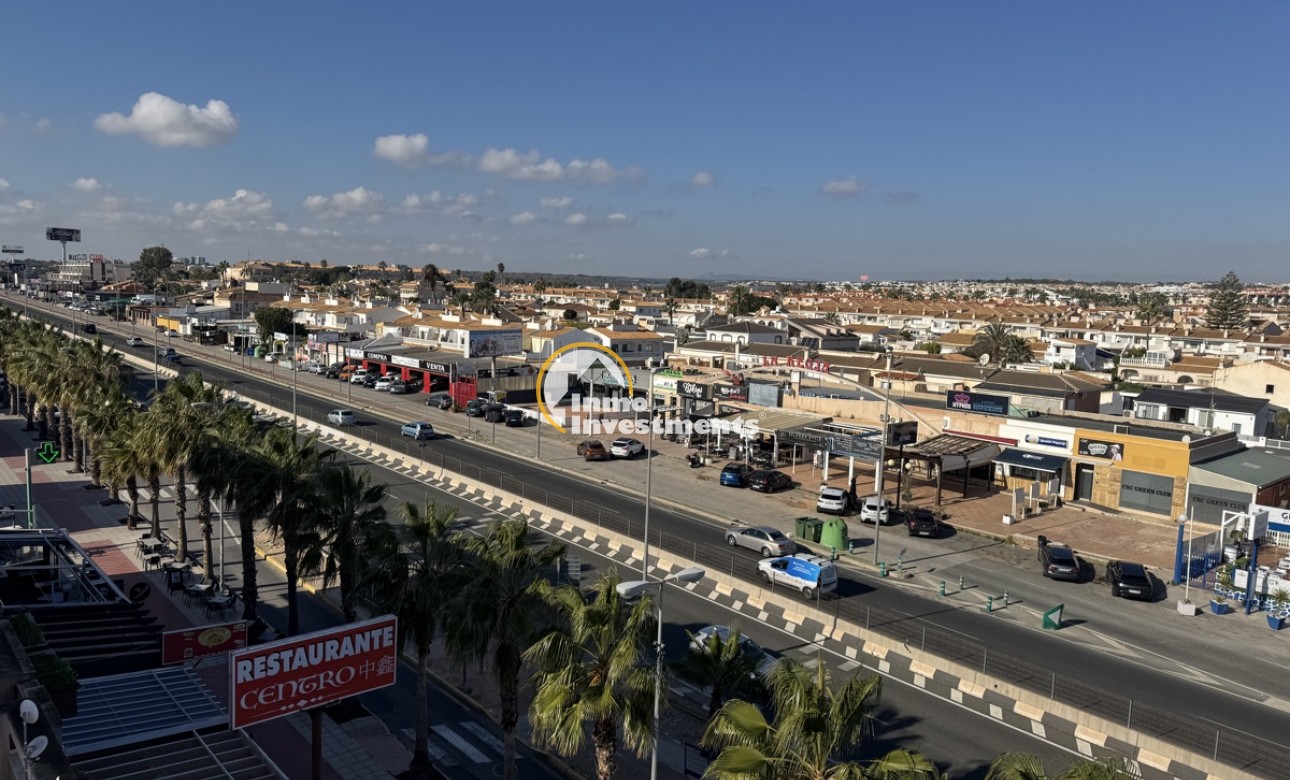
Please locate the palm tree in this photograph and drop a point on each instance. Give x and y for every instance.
(123, 462)
(461, 300)
(347, 506)
(815, 728)
(722, 666)
(143, 440)
(106, 408)
(1000, 343)
(594, 667)
(176, 433)
(497, 613)
(539, 286)
(1023, 766)
(431, 277)
(420, 562)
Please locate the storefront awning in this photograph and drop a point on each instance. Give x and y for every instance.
(1032, 460)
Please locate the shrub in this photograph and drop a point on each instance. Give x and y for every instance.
(28, 632)
(54, 673)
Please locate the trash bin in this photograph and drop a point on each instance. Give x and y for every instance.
(834, 534)
(808, 529)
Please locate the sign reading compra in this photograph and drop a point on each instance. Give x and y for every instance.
(300, 673)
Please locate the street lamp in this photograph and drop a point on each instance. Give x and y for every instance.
(882, 454)
(633, 589)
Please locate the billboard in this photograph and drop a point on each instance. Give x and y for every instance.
(1109, 450)
(12, 250)
(901, 433)
(187, 644)
(300, 673)
(62, 234)
(493, 343)
(963, 401)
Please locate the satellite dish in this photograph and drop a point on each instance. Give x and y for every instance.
(984, 359)
(29, 712)
(37, 746)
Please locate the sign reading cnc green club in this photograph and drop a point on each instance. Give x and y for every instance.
(48, 452)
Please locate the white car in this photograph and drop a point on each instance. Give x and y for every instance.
(316, 368)
(171, 333)
(832, 500)
(418, 430)
(134, 341)
(751, 650)
(341, 417)
(358, 376)
(874, 510)
(384, 382)
(626, 448)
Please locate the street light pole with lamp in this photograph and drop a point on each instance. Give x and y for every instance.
(882, 455)
(631, 590)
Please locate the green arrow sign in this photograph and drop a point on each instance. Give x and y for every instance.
(1053, 617)
(48, 452)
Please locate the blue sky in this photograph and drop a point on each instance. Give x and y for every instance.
(898, 140)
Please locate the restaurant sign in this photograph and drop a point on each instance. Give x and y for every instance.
(187, 644)
(688, 389)
(301, 673)
(730, 392)
(822, 366)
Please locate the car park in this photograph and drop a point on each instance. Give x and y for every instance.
(135, 341)
(592, 449)
(874, 510)
(735, 474)
(921, 522)
(418, 430)
(763, 539)
(769, 480)
(626, 448)
(384, 382)
(1058, 561)
(832, 500)
(414, 385)
(808, 573)
(341, 417)
(515, 418)
(440, 401)
(1130, 581)
(751, 650)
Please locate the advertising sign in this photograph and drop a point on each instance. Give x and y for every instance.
(730, 392)
(62, 234)
(1046, 441)
(381, 357)
(187, 644)
(1278, 517)
(493, 343)
(12, 250)
(299, 673)
(689, 389)
(1092, 448)
(438, 368)
(97, 258)
(403, 360)
(980, 403)
(902, 433)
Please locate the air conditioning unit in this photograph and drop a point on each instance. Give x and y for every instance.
(1128, 413)
(1121, 429)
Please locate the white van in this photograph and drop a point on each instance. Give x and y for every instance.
(811, 574)
(145, 299)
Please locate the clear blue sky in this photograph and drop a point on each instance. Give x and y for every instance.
(902, 140)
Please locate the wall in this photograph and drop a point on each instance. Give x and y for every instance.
(1151, 456)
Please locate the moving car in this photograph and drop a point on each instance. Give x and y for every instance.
(769, 480)
(832, 501)
(418, 430)
(440, 401)
(811, 574)
(873, 510)
(1130, 581)
(921, 522)
(750, 649)
(341, 416)
(135, 341)
(1058, 561)
(89, 327)
(762, 538)
(626, 448)
(384, 382)
(592, 449)
(515, 418)
(735, 474)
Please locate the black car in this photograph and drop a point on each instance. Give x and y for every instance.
(89, 327)
(475, 407)
(414, 385)
(1058, 561)
(370, 380)
(921, 522)
(514, 418)
(1130, 580)
(768, 481)
(494, 413)
(333, 371)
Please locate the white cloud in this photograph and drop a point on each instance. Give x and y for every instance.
(87, 185)
(556, 203)
(702, 253)
(531, 166)
(449, 204)
(576, 219)
(359, 200)
(244, 203)
(843, 188)
(166, 122)
(43, 126)
(437, 248)
(619, 218)
(181, 209)
(406, 150)
(4, 185)
(702, 180)
(523, 218)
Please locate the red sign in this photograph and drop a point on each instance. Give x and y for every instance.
(187, 644)
(299, 673)
(822, 366)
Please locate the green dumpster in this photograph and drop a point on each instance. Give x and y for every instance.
(833, 534)
(808, 529)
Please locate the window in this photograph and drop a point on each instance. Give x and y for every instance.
(1205, 418)
(1269, 389)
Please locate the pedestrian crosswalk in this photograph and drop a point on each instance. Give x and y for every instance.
(461, 744)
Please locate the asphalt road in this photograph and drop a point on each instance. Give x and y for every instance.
(1133, 676)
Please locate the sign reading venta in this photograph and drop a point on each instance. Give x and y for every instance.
(300, 673)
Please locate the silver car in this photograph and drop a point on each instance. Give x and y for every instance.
(770, 542)
(874, 510)
(751, 650)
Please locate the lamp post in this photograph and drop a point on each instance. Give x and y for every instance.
(649, 469)
(1191, 534)
(882, 455)
(631, 590)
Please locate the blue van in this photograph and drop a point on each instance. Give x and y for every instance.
(811, 574)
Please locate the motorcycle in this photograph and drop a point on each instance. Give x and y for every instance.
(695, 460)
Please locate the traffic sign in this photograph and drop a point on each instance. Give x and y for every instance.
(1053, 617)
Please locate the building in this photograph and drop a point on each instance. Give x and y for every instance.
(1208, 409)
(636, 347)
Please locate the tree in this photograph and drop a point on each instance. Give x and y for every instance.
(124, 461)
(539, 286)
(1152, 307)
(1023, 766)
(593, 667)
(501, 271)
(497, 613)
(336, 550)
(616, 304)
(722, 666)
(815, 728)
(273, 319)
(154, 264)
(570, 315)
(1227, 309)
(461, 300)
(485, 294)
(1000, 343)
(431, 278)
(677, 287)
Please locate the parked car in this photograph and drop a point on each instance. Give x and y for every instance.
(591, 449)
(171, 333)
(769, 480)
(475, 407)
(762, 538)
(440, 401)
(316, 368)
(341, 417)
(398, 388)
(334, 371)
(414, 385)
(515, 418)
(626, 448)
(921, 522)
(1130, 581)
(384, 382)
(1058, 561)
(832, 501)
(735, 474)
(418, 430)
(873, 510)
(494, 413)
(135, 341)
(370, 380)
(751, 650)
(358, 376)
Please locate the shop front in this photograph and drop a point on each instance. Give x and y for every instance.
(1119, 470)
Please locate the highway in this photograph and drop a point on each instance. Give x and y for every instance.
(1129, 675)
